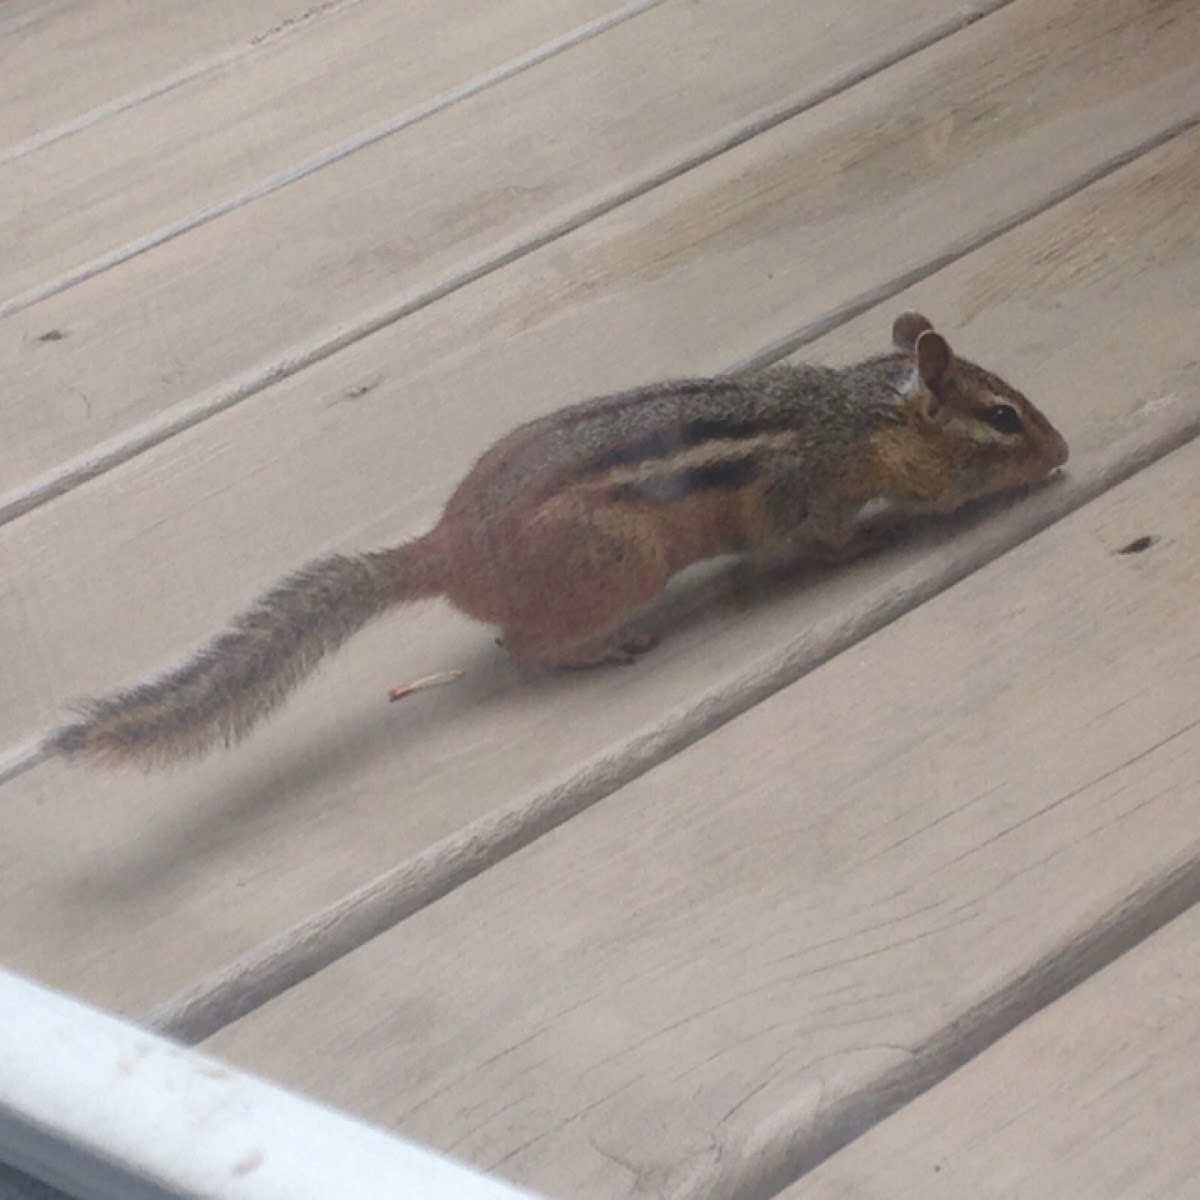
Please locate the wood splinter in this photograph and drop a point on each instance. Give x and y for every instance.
(420, 685)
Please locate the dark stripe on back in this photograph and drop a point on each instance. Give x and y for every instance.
(726, 475)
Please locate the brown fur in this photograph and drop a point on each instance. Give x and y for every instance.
(574, 522)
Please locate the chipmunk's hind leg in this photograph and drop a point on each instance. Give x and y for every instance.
(583, 575)
(618, 647)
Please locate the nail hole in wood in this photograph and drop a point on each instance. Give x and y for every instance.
(1137, 545)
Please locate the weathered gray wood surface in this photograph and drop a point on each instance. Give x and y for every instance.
(738, 962)
(941, 148)
(68, 63)
(284, 106)
(713, 976)
(1095, 1097)
(139, 887)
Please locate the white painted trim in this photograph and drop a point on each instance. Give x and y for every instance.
(106, 1111)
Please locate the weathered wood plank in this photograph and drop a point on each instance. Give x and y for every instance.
(226, 137)
(986, 116)
(138, 886)
(1095, 1096)
(697, 985)
(67, 64)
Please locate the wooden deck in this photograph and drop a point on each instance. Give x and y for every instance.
(874, 883)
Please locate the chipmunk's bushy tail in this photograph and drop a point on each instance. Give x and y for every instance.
(247, 671)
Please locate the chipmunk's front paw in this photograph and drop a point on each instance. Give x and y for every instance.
(633, 645)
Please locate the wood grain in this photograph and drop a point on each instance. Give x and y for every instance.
(226, 137)
(696, 986)
(762, 225)
(133, 888)
(1095, 1096)
(67, 65)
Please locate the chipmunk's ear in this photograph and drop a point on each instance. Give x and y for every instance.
(934, 358)
(907, 327)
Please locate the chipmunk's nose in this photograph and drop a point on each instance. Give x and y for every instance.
(1059, 450)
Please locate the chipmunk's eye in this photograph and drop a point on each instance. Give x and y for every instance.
(1004, 418)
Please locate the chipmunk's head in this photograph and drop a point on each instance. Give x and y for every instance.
(994, 437)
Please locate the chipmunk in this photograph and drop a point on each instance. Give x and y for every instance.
(575, 521)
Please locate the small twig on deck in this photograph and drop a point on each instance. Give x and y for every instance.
(420, 685)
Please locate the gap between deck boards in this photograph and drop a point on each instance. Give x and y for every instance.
(316, 162)
(186, 415)
(768, 1078)
(280, 963)
(320, 940)
(893, 287)
(283, 961)
(35, 16)
(1061, 969)
(159, 87)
